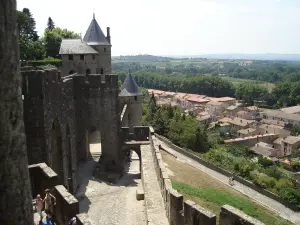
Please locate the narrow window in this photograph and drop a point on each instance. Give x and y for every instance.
(70, 57)
(104, 49)
(94, 57)
(81, 57)
(101, 71)
(135, 98)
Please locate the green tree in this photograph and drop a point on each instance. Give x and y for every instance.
(30, 46)
(50, 24)
(201, 140)
(52, 39)
(152, 108)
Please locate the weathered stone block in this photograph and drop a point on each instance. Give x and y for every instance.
(140, 195)
(202, 216)
(188, 212)
(230, 215)
(176, 206)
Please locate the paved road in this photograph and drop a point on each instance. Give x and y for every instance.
(273, 205)
(108, 204)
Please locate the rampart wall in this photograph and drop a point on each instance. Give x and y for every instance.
(181, 212)
(189, 154)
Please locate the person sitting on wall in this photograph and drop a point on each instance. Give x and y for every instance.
(50, 202)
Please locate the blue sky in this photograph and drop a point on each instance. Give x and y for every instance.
(180, 27)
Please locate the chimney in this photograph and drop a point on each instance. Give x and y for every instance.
(108, 34)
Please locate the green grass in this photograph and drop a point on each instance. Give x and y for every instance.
(220, 198)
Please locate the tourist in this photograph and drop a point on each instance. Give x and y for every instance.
(39, 206)
(48, 221)
(73, 221)
(48, 202)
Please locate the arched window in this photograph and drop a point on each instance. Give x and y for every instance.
(101, 71)
(88, 72)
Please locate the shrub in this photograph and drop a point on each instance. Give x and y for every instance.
(50, 61)
(292, 195)
(264, 161)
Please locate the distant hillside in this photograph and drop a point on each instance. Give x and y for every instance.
(141, 58)
(266, 56)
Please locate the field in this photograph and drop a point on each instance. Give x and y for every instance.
(237, 81)
(212, 194)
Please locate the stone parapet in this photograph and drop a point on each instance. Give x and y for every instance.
(67, 206)
(230, 215)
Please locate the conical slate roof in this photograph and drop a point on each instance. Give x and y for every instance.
(94, 34)
(129, 87)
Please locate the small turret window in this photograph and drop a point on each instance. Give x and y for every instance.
(135, 98)
(70, 57)
(104, 49)
(81, 57)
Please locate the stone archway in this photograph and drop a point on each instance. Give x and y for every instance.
(94, 141)
(69, 159)
(56, 150)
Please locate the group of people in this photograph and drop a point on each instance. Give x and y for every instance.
(48, 204)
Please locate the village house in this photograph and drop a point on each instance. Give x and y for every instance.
(291, 110)
(265, 149)
(238, 123)
(287, 145)
(232, 110)
(247, 132)
(281, 116)
(274, 129)
(215, 110)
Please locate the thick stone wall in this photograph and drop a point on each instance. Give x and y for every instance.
(181, 212)
(189, 154)
(104, 114)
(48, 105)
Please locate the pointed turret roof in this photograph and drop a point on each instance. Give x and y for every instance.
(129, 87)
(94, 35)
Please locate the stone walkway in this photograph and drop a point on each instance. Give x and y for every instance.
(155, 210)
(109, 204)
(269, 203)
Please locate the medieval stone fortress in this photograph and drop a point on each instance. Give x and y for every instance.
(84, 141)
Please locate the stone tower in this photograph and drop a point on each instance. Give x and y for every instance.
(95, 38)
(131, 96)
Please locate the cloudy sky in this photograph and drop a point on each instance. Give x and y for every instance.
(180, 27)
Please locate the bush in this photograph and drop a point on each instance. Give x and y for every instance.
(292, 195)
(265, 162)
(54, 62)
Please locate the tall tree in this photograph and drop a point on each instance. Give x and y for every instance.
(26, 24)
(15, 196)
(50, 24)
(30, 48)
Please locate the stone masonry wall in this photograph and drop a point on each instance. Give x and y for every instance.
(181, 212)
(48, 100)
